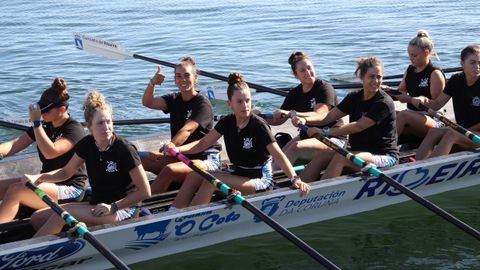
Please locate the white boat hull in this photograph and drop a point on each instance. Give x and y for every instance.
(163, 234)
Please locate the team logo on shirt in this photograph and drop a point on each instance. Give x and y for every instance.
(423, 82)
(111, 167)
(476, 101)
(189, 113)
(59, 136)
(312, 103)
(247, 143)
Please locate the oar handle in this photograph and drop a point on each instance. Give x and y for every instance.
(266, 115)
(79, 228)
(372, 169)
(254, 210)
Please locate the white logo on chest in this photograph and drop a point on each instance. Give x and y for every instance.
(423, 82)
(476, 101)
(58, 137)
(312, 103)
(111, 167)
(247, 143)
(189, 113)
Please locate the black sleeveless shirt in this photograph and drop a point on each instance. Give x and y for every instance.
(418, 84)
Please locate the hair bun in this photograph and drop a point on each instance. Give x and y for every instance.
(94, 99)
(234, 78)
(59, 85)
(293, 57)
(188, 59)
(423, 33)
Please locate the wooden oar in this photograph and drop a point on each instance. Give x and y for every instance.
(254, 210)
(116, 51)
(78, 227)
(467, 133)
(370, 168)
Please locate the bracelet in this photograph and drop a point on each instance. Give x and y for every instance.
(293, 113)
(113, 207)
(37, 123)
(294, 179)
(326, 131)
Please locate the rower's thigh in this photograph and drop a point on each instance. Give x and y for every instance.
(240, 183)
(83, 212)
(4, 184)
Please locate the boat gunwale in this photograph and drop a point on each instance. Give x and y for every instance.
(319, 184)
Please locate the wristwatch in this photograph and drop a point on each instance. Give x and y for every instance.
(326, 131)
(37, 123)
(294, 179)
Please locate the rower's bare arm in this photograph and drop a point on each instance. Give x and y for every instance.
(149, 100)
(279, 157)
(279, 117)
(49, 149)
(319, 111)
(287, 168)
(404, 98)
(437, 83)
(183, 134)
(198, 146)
(402, 87)
(16, 145)
(353, 127)
(142, 188)
(439, 102)
(318, 119)
(60, 174)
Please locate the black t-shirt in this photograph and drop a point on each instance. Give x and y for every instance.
(418, 84)
(321, 92)
(246, 147)
(108, 171)
(73, 131)
(198, 109)
(380, 138)
(465, 99)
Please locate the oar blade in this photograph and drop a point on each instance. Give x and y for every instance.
(101, 47)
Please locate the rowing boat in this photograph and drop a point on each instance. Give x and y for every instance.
(166, 233)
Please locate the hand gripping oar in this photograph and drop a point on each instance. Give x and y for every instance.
(370, 168)
(472, 136)
(250, 207)
(116, 51)
(78, 227)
